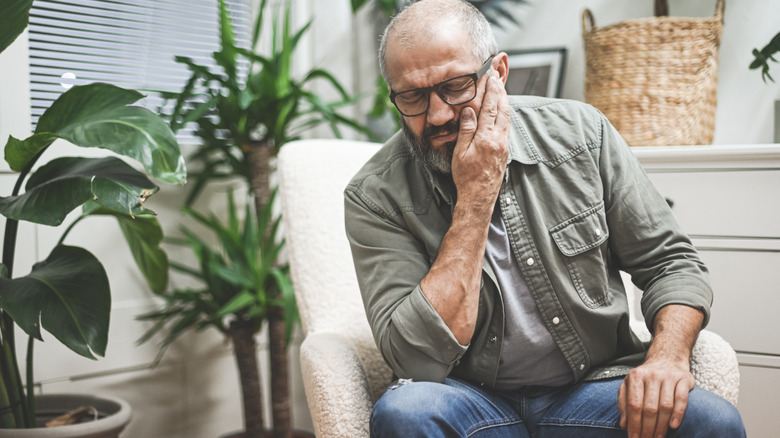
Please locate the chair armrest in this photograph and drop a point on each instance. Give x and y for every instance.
(715, 367)
(337, 386)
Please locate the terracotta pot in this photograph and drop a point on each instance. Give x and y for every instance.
(114, 414)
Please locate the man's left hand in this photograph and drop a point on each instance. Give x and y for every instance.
(654, 396)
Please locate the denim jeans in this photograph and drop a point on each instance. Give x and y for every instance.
(589, 409)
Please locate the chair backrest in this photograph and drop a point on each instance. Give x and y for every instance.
(312, 177)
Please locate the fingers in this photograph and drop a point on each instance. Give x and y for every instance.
(468, 128)
(680, 403)
(650, 402)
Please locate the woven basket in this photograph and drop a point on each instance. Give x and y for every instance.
(655, 78)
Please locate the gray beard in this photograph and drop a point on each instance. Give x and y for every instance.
(421, 148)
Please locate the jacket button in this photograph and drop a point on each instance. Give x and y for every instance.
(556, 320)
(582, 366)
(493, 339)
(530, 261)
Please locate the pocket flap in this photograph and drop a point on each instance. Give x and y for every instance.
(581, 232)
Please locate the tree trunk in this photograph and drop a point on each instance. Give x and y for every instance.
(259, 157)
(280, 380)
(661, 8)
(245, 349)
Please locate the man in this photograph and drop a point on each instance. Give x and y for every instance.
(488, 239)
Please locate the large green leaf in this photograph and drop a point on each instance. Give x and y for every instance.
(144, 236)
(13, 19)
(66, 183)
(98, 115)
(68, 295)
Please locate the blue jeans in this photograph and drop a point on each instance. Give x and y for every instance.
(589, 409)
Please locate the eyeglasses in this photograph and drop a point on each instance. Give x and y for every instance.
(455, 91)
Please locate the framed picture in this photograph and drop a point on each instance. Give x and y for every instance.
(537, 72)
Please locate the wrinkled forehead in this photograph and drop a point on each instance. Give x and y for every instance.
(426, 48)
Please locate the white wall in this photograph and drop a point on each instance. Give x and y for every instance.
(745, 111)
(194, 393)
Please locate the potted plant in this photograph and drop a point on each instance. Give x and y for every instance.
(763, 56)
(68, 292)
(249, 108)
(240, 282)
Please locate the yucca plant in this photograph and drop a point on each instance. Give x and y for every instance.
(68, 293)
(239, 282)
(245, 110)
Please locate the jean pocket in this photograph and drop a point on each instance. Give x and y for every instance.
(581, 239)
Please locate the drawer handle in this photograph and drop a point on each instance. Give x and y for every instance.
(670, 201)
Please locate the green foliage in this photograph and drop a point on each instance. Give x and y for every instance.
(13, 21)
(239, 276)
(763, 57)
(68, 293)
(253, 99)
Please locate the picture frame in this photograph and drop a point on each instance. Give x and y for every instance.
(537, 72)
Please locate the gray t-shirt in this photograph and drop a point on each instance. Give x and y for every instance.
(529, 355)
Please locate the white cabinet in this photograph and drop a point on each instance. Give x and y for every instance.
(727, 198)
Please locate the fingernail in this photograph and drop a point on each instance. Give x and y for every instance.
(466, 114)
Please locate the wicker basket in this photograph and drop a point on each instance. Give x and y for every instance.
(655, 78)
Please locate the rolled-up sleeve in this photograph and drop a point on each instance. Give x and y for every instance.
(645, 237)
(390, 263)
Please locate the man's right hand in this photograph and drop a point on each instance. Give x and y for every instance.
(479, 159)
(478, 165)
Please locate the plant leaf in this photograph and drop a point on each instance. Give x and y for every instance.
(67, 294)
(66, 183)
(144, 236)
(98, 115)
(13, 21)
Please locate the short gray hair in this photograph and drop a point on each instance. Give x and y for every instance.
(482, 38)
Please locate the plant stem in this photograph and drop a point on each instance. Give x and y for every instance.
(10, 366)
(245, 350)
(661, 8)
(280, 384)
(30, 411)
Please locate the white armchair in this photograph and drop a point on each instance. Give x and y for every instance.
(343, 372)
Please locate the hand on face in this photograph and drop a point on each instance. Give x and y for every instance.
(480, 155)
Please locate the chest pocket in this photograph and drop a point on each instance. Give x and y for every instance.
(581, 239)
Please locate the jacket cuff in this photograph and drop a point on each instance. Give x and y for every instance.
(421, 326)
(687, 290)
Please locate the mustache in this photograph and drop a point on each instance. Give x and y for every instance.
(450, 126)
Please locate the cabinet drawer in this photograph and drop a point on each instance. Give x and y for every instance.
(746, 297)
(759, 400)
(723, 202)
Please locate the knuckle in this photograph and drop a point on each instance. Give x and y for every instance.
(650, 410)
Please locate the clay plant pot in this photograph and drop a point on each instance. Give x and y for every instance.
(113, 416)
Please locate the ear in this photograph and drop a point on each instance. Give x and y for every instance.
(501, 66)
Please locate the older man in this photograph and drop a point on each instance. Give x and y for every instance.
(488, 239)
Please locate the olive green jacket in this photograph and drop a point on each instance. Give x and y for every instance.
(578, 208)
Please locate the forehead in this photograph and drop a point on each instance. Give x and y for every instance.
(425, 58)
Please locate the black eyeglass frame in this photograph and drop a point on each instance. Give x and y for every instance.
(437, 88)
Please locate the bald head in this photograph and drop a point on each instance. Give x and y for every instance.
(422, 21)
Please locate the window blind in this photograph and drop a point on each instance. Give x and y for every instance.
(128, 43)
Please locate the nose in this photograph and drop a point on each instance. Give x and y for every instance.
(439, 111)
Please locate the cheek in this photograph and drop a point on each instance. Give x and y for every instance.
(415, 124)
